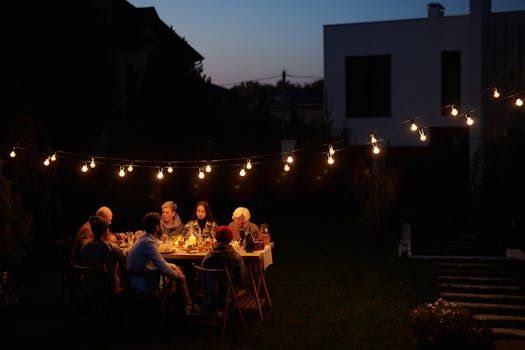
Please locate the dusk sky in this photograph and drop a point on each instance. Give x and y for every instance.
(256, 39)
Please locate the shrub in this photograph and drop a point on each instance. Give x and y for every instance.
(445, 325)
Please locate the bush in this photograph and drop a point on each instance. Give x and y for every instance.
(445, 325)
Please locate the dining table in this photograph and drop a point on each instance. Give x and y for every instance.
(256, 264)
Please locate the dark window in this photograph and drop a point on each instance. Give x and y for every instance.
(368, 90)
(450, 80)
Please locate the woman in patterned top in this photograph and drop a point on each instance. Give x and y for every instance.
(202, 224)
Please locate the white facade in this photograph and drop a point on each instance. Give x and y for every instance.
(415, 48)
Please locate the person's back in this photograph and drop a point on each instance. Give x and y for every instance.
(98, 253)
(222, 254)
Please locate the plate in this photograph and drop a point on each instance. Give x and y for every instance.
(167, 250)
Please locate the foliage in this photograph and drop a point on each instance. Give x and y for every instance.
(15, 226)
(445, 325)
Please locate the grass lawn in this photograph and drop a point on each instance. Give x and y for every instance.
(337, 296)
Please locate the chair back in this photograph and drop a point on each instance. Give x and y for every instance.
(92, 291)
(218, 292)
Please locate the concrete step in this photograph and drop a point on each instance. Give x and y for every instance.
(491, 280)
(484, 287)
(509, 318)
(506, 298)
(513, 332)
(490, 306)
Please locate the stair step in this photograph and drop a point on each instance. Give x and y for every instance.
(490, 317)
(477, 278)
(472, 305)
(478, 286)
(509, 332)
(484, 296)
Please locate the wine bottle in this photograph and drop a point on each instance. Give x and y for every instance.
(250, 242)
(242, 235)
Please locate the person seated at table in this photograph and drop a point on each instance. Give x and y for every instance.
(146, 264)
(202, 224)
(241, 221)
(85, 235)
(99, 252)
(223, 254)
(171, 224)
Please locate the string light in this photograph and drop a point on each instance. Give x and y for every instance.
(289, 155)
(201, 174)
(422, 136)
(330, 159)
(121, 172)
(454, 111)
(469, 119)
(413, 126)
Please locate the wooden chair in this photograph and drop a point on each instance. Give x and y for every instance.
(145, 303)
(216, 290)
(91, 293)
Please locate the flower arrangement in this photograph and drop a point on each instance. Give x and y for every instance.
(445, 325)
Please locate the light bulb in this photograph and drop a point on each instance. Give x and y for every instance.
(242, 172)
(170, 169)
(12, 154)
(201, 174)
(121, 172)
(160, 175)
(92, 164)
(46, 162)
(519, 102)
(130, 168)
(208, 168)
(496, 93)
(286, 167)
(84, 168)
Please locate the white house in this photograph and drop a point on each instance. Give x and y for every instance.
(380, 75)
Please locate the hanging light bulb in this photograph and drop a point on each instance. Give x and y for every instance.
(84, 168)
(170, 169)
(201, 174)
(413, 126)
(121, 172)
(92, 164)
(454, 111)
(330, 159)
(376, 150)
(160, 175)
(208, 168)
(331, 150)
(373, 138)
(46, 162)
(289, 159)
(130, 168)
(286, 167)
(422, 136)
(248, 164)
(242, 172)
(12, 154)
(53, 157)
(496, 93)
(469, 121)
(519, 102)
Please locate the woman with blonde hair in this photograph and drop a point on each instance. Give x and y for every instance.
(171, 224)
(241, 221)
